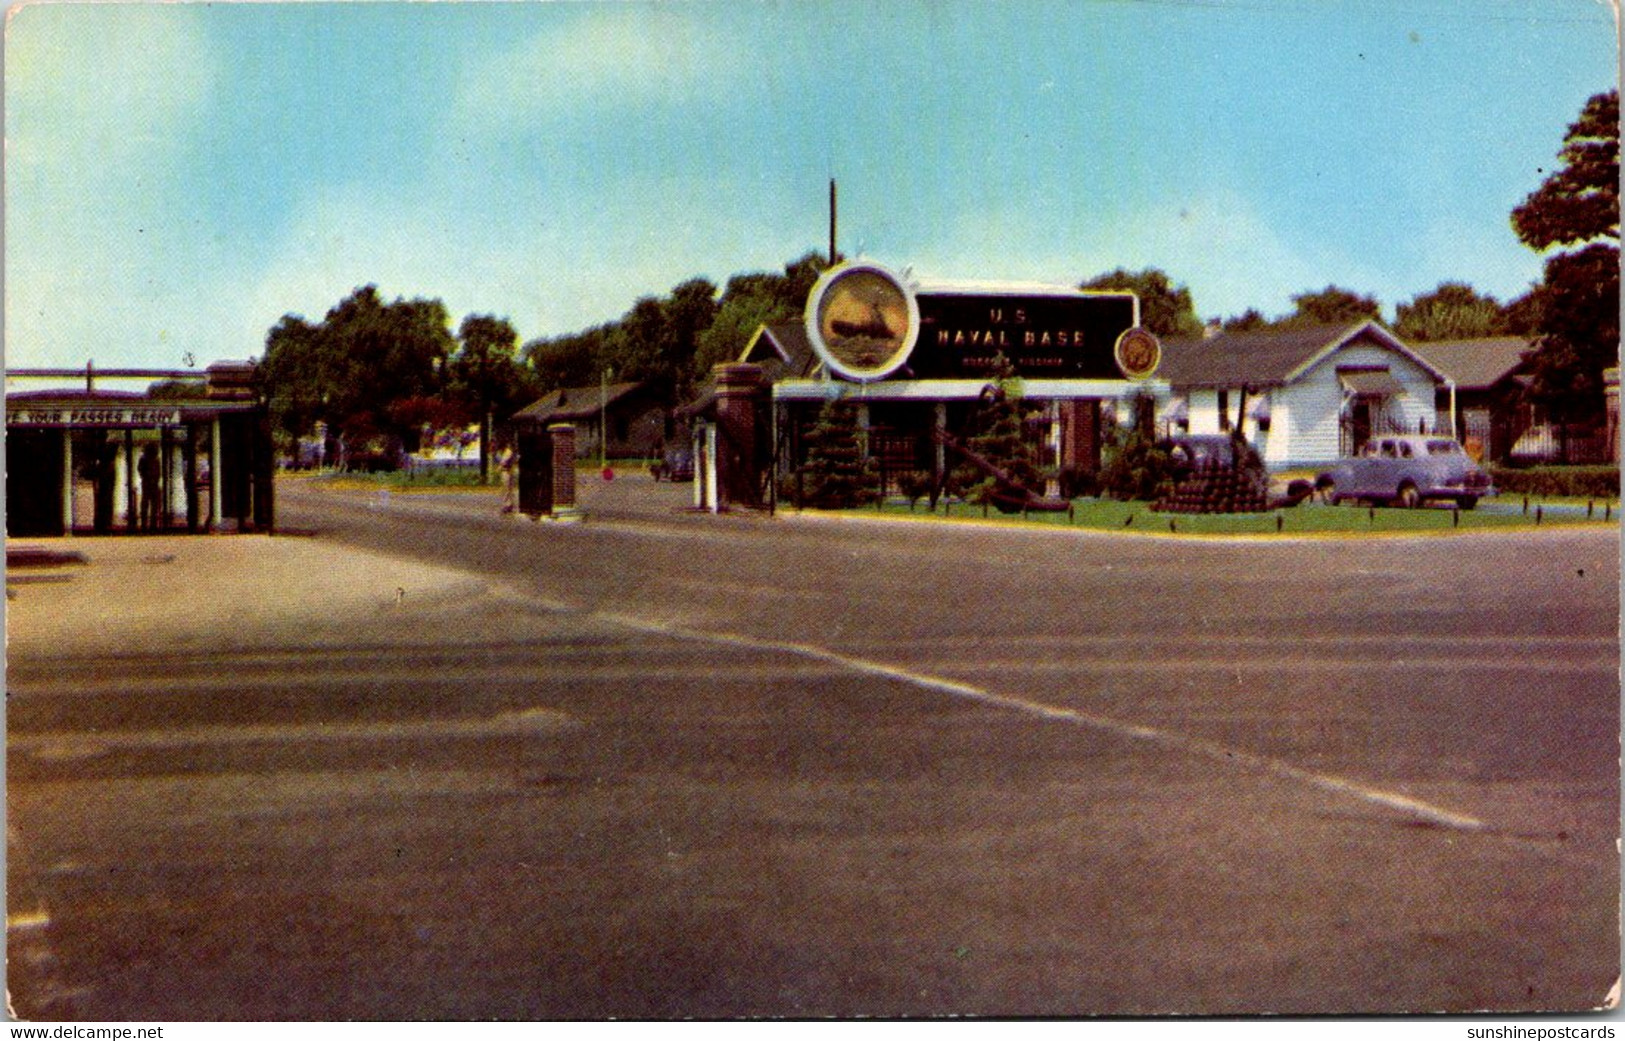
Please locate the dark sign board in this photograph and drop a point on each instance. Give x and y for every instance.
(1045, 336)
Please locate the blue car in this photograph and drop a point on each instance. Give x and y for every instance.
(1407, 470)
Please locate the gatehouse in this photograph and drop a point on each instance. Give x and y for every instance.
(88, 460)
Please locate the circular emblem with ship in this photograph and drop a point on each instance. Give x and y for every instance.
(862, 321)
(1138, 353)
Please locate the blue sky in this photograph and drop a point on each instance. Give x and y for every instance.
(179, 176)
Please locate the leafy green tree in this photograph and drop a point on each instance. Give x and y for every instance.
(1579, 202)
(1578, 304)
(347, 372)
(1331, 306)
(1165, 309)
(751, 301)
(656, 340)
(1453, 311)
(1524, 315)
(1250, 320)
(572, 360)
(1580, 332)
(487, 376)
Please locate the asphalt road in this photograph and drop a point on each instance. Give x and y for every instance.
(660, 764)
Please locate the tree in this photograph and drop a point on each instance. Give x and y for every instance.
(656, 340)
(751, 301)
(1580, 332)
(1453, 311)
(1580, 201)
(1165, 309)
(572, 360)
(1523, 316)
(349, 370)
(1331, 306)
(1578, 304)
(486, 375)
(835, 474)
(1250, 320)
(998, 436)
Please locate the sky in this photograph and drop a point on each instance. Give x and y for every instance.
(180, 176)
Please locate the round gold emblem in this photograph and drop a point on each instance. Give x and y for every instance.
(1138, 353)
(862, 321)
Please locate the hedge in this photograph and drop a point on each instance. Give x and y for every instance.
(1593, 482)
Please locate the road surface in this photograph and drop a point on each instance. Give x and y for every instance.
(429, 761)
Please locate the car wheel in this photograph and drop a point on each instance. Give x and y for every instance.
(1409, 497)
(1467, 502)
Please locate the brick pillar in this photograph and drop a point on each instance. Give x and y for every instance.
(1080, 438)
(740, 388)
(564, 470)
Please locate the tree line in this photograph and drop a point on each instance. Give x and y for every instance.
(389, 375)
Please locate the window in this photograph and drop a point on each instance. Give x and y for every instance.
(1224, 410)
(1443, 448)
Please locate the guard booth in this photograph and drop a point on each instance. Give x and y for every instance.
(97, 461)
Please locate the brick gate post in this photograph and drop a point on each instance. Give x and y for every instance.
(740, 391)
(564, 471)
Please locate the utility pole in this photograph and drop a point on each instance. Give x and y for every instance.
(603, 421)
(832, 222)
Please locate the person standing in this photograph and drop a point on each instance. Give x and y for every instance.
(507, 463)
(147, 469)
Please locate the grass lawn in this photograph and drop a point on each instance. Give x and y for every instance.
(1309, 518)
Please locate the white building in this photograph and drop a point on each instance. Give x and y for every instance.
(1310, 395)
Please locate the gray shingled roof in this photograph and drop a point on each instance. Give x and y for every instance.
(1476, 364)
(574, 402)
(1265, 358)
(783, 351)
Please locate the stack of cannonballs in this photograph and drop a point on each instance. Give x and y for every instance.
(1211, 487)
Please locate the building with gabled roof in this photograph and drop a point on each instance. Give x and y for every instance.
(1309, 394)
(1490, 375)
(635, 417)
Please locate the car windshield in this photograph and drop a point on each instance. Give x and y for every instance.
(1443, 448)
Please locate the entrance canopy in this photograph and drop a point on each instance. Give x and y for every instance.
(105, 461)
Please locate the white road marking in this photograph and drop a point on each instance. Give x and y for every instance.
(23, 921)
(1169, 739)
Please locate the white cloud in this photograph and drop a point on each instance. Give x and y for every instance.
(545, 277)
(1217, 244)
(90, 87)
(630, 55)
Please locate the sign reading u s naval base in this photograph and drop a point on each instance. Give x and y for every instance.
(868, 324)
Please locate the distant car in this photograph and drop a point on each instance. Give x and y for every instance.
(676, 464)
(1199, 451)
(1407, 470)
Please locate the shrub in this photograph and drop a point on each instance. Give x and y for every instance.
(1594, 482)
(835, 475)
(1135, 468)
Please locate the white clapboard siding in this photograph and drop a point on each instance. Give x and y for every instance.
(1315, 401)
(1306, 414)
